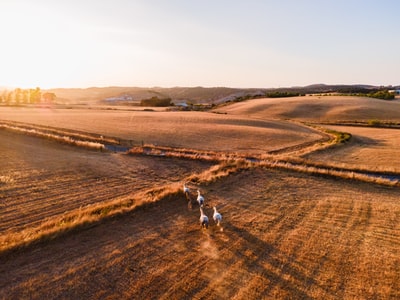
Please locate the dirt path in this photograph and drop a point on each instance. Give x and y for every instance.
(285, 235)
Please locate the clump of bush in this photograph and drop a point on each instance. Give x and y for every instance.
(340, 137)
(155, 101)
(374, 123)
(378, 94)
(385, 95)
(279, 94)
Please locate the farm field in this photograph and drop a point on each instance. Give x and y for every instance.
(41, 179)
(284, 235)
(370, 148)
(318, 108)
(195, 130)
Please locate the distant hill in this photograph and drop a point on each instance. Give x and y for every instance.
(136, 94)
(195, 95)
(317, 109)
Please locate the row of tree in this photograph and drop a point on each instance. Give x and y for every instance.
(378, 94)
(385, 95)
(26, 96)
(282, 94)
(157, 102)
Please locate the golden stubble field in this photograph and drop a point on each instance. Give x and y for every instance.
(318, 108)
(285, 235)
(370, 148)
(41, 179)
(194, 130)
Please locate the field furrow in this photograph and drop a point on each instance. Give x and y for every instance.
(53, 179)
(285, 234)
(298, 251)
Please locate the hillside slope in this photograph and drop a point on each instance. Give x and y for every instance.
(317, 108)
(135, 94)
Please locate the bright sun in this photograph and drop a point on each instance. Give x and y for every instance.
(41, 50)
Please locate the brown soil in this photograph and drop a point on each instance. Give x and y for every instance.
(194, 130)
(40, 179)
(284, 235)
(318, 108)
(376, 149)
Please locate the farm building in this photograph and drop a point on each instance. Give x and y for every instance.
(120, 98)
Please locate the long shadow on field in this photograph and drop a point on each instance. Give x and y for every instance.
(366, 141)
(264, 254)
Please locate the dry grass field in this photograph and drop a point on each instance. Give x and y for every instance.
(197, 130)
(284, 234)
(370, 148)
(40, 179)
(318, 108)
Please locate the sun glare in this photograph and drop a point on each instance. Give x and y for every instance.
(42, 50)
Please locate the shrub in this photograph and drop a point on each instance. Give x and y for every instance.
(340, 137)
(279, 94)
(374, 122)
(385, 95)
(155, 101)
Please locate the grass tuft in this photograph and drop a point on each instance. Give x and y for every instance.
(65, 139)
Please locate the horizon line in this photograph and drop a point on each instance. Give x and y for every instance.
(205, 87)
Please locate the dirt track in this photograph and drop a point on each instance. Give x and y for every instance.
(285, 235)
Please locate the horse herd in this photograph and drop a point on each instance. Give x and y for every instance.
(204, 221)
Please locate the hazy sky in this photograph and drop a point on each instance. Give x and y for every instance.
(248, 43)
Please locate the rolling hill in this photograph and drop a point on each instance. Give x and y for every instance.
(196, 95)
(318, 108)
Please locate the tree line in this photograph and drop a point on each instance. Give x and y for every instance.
(157, 102)
(26, 96)
(384, 94)
(378, 94)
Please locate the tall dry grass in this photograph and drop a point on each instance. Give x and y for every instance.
(95, 213)
(234, 162)
(77, 135)
(65, 139)
(184, 153)
(331, 172)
